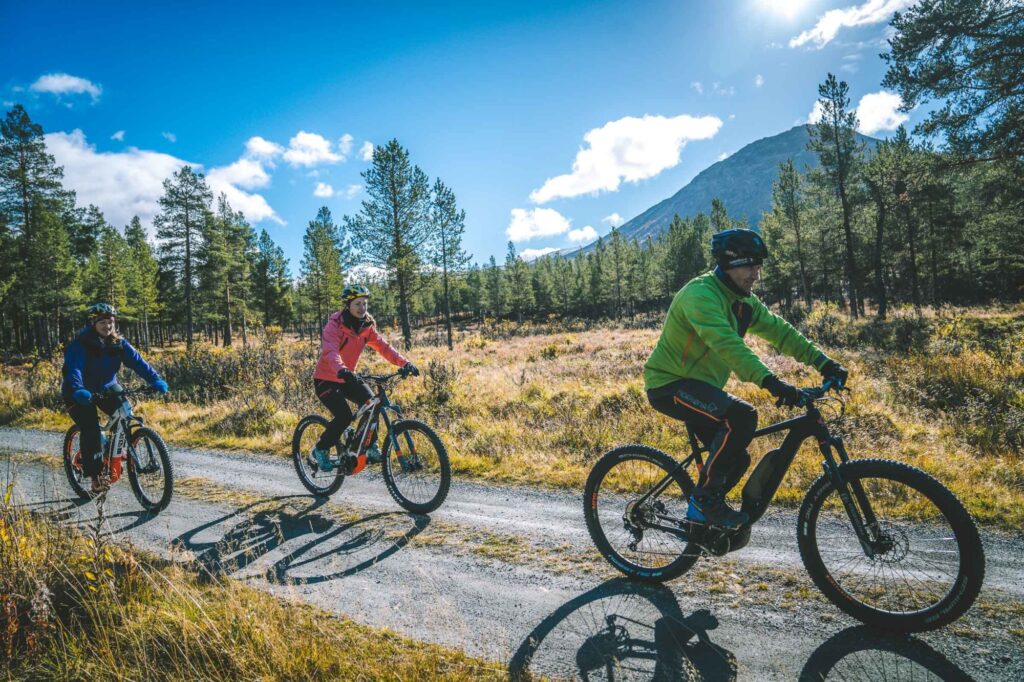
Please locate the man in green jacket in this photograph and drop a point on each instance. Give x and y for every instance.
(701, 344)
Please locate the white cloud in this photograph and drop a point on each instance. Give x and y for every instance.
(246, 172)
(351, 191)
(758, 80)
(66, 84)
(366, 151)
(122, 184)
(170, 137)
(722, 90)
(130, 183)
(534, 254)
(831, 22)
(723, 156)
(698, 87)
(584, 234)
(119, 136)
(345, 144)
(258, 148)
(817, 111)
(309, 149)
(614, 220)
(630, 149)
(526, 224)
(323, 190)
(879, 111)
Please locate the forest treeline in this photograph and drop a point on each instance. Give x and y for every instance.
(929, 218)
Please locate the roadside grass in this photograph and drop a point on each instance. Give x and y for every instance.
(75, 606)
(536, 404)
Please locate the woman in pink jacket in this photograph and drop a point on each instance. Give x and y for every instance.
(345, 334)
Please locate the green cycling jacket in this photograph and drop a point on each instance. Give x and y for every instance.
(703, 337)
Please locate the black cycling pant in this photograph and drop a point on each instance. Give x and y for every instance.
(334, 394)
(87, 419)
(723, 423)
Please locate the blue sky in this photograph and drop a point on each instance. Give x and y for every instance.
(549, 120)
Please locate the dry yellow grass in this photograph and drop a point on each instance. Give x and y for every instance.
(75, 607)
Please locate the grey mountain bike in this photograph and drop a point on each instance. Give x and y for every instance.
(884, 541)
(129, 445)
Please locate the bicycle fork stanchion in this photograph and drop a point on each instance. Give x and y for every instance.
(842, 488)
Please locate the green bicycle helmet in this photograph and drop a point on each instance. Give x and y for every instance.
(98, 311)
(353, 291)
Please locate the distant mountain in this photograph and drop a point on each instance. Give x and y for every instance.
(742, 181)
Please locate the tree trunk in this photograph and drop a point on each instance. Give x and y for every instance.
(227, 314)
(879, 273)
(447, 309)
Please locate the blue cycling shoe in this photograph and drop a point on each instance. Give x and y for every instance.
(710, 509)
(320, 459)
(373, 455)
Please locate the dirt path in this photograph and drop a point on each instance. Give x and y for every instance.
(510, 574)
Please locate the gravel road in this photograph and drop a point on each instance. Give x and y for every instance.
(509, 573)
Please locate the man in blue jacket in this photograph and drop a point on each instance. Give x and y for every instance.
(91, 363)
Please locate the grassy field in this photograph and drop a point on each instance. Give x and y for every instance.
(73, 607)
(537, 403)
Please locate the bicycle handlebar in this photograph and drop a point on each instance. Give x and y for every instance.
(123, 393)
(818, 392)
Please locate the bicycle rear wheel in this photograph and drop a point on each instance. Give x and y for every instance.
(924, 564)
(152, 479)
(417, 472)
(72, 455)
(317, 481)
(623, 528)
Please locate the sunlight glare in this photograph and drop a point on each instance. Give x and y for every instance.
(786, 9)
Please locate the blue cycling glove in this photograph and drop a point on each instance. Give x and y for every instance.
(161, 386)
(82, 396)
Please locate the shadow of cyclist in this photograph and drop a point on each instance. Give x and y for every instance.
(280, 524)
(860, 653)
(624, 630)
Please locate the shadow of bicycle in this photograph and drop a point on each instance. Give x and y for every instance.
(623, 630)
(860, 653)
(288, 540)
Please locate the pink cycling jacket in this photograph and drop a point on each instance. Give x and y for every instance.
(341, 348)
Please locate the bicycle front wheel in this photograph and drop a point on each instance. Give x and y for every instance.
(317, 481)
(149, 471)
(923, 563)
(73, 463)
(627, 525)
(417, 472)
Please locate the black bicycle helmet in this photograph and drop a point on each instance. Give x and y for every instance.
(738, 247)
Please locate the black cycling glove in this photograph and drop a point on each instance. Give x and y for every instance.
(788, 395)
(833, 370)
(346, 375)
(410, 368)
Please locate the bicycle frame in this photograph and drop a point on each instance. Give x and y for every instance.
(119, 426)
(367, 417)
(763, 483)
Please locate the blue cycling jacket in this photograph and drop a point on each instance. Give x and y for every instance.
(92, 363)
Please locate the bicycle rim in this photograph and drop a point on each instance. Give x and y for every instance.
(925, 563)
(150, 473)
(417, 471)
(620, 520)
(312, 477)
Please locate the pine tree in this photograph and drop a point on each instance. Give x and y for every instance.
(143, 296)
(184, 208)
(787, 201)
(270, 281)
(393, 227)
(323, 267)
(835, 142)
(449, 224)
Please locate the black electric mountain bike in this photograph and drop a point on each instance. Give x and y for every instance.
(884, 541)
(415, 462)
